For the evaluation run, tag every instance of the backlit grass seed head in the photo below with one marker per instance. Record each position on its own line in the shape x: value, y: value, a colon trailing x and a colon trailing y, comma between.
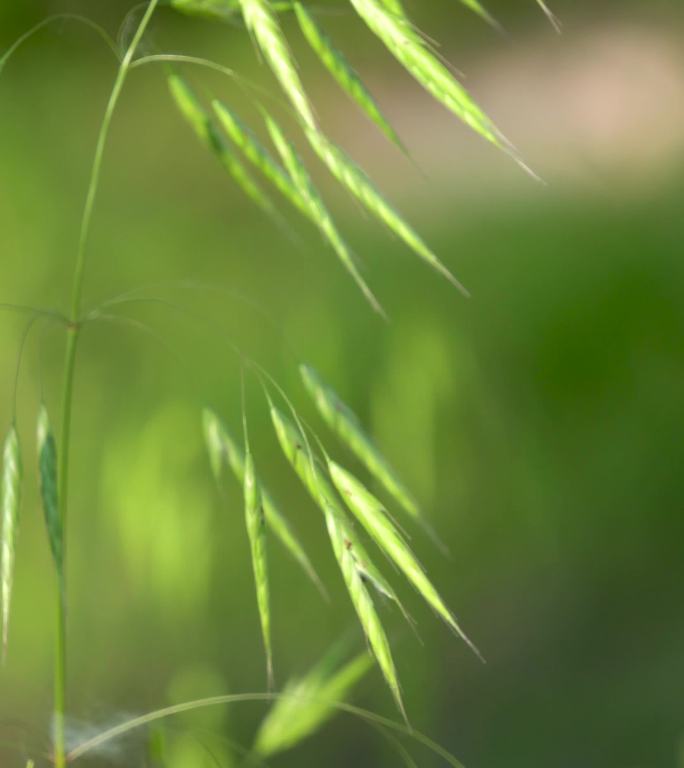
x: 262, y: 23
x: 307, y: 703
x: 222, y: 449
x: 244, y: 138
x: 11, y: 503
x: 209, y: 134
x: 336, y: 63
x: 308, y: 471
x: 47, y: 467
x: 351, y: 176
x: 407, y: 47
x: 373, y: 517
x: 254, y: 519
x: 319, y: 213
x: 363, y: 604
x: 344, y: 422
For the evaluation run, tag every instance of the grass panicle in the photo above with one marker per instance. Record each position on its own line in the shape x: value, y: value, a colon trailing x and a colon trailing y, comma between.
x: 343, y: 421
x: 319, y: 212
x: 224, y: 450
x: 256, y: 531
x: 47, y: 468
x: 12, y: 473
x: 209, y: 134
x: 351, y: 176
x: 307, y: 703
x: 399, y: 37
x: 260, y: 18
x: 244, y: 138
x: 355, y: 565
x: 346, y: 76
x: 307, y: 469
x: 372, y: 515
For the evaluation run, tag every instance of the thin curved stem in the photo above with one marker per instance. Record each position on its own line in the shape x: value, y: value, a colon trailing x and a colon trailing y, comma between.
x: 214, y: 701
x: 73, y: 334
x: 60, y: 17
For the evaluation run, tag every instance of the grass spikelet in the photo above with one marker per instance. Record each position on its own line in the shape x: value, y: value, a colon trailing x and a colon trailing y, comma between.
x: 12, y: 473
x: 398, y: 36
x: 260, y: 157
x: 477, y: 7
x: 47, y: 467
x: 370, y: 512
x: 292, y: 443
x: 307, y: 703
x: 348, y: 173
x: 551, y: 16
x: 262, y: 23
x: 254, y: 519
x: 319, y: 213
x: 223, y: 10
x: 344, y: 422
x: 224, y: 450
x: 339, y: 67
x: 208, y: 133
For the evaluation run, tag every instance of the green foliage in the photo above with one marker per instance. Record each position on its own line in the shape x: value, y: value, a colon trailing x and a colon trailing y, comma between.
x: 47, y: 467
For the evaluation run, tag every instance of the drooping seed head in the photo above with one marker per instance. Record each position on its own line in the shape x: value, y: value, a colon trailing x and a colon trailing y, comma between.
x: 11, y: 504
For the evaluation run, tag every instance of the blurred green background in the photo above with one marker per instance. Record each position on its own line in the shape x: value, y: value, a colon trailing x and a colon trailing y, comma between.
x: 540, y: 422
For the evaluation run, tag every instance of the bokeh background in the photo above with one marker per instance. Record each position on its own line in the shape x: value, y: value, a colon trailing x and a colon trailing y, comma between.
x: 540, y: 422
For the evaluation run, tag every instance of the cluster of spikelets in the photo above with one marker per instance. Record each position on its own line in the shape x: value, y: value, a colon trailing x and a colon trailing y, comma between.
x: 234, y: 142
x: 10, y: 493
x: 343, y: 500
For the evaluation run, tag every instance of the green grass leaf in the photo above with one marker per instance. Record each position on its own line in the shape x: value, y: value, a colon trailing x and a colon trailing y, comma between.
x: 47, y: 468
x: 307, y: 703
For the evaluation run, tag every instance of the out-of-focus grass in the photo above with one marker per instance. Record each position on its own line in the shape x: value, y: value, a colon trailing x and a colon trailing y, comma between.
x: 541, y: 423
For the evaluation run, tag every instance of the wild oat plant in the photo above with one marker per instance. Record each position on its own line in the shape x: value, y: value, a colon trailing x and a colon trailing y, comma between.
x: 348, y: 508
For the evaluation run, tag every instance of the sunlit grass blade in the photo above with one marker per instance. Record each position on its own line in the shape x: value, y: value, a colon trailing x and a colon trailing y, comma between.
x: 345, y: 423
x: 372, y: 515
x: 47, y: 467
x: 261, y: 21
x: 211, y: 9
x: 343, y: 72
x: 319, y: 212
x: 12, y: 473
x: 207, y: 131
x: 243, y: 138
x: 254, y: 519
x: 348, y: 173
x: 223, y: 450
x: 307, y: 703
x: 399, y: 37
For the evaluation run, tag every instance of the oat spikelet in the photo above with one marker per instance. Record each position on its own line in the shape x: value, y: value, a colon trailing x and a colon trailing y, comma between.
x: 348, y: 173
x: 223, y: 449
x: 308, y: 702
x: 262, y: 23
x: 11, y: 503
x: 254, y: 519
x: 47, y: 467
x: 370, y: 512
x: 399, y: 37
x: 208, y: 133
x: 319, y: 212
x: 244, y: 138
x: 346, y: 76
x: 344, y: 422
